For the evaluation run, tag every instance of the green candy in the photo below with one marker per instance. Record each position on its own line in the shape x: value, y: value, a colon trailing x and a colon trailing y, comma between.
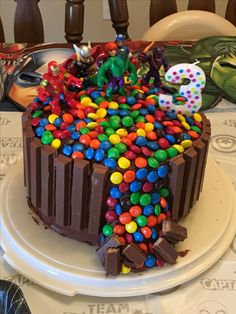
x: 104, y: 124
x: 140, y: 119
x: 141, y: 220
x: 37, y: 113
x: 115, y: 117
x: 124, y: 107
x: 156, y: 98
x: 102, y: 137
x: 109, y: 131
x: 171, y: 152
x: 161, y: 155
x: 135, y: 198
x: 99, y: 99
x: 127, y: 121
x: 47, y: 138
x: 85, y: 130
x: 134, y: 114
x: 107, y: 230
x: 115, y: 124
x: 145, y: 199
x: 157, y: 209
x: 196, y: 129
x: 121, y: 147
x: 113, y: 153
x: 152, y: 162
x: 164, y: 192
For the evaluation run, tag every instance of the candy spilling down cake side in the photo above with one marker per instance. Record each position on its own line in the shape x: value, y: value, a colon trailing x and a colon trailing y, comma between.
x: 114, y: 159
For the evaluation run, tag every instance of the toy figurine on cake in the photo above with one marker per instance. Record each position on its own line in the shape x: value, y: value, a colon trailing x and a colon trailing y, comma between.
x: 122, y: 161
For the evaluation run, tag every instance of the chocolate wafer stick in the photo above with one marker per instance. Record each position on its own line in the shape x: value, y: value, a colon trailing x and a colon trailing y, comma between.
x: 165, y: 250
x: 35, y: 175
x: 112, y: 261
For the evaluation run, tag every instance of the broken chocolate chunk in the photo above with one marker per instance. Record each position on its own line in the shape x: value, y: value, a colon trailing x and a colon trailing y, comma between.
x: 111, y: 242
x: 112, y: 261
x: 165, y: 250
x: 173, y: 231
x: 134, y: 254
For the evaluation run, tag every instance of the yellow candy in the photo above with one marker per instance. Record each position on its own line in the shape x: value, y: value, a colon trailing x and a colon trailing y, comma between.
x: 125, y: 269
x: 85, y: 101
x: 180, y: 117
x: 93, y: 105
x: 122, y: 132
x: 150, y: 96
x: 186, y: 143
x: 141, y: 132
x: 114, y: 139
x: 56, y: 143
x: 185, y: 125
x: 123, y: 163
x: 92, y: 125
x: 197, y: 117
x: 140, y: 91
x: 101, y: 112
x: 113, y: 105
x: 149, y: 126
x: 116, y: 177
x: 131, y: 227
x: 93, y: 116
x: 179, y: 148
x: 52, y: 117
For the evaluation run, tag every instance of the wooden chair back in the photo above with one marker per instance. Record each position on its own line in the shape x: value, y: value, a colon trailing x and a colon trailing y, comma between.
x: 31, y: 29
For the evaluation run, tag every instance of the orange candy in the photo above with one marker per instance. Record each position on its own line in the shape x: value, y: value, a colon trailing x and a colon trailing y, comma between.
x: 126, y: 141
x: 132, y: 136
x: 150, y: 135
x: 80, y: 114
x: 93, y: 134
x: 80, y: 125
x: 143, y: 247
x: 151, y: 221
x: 95, y: 144
x: 119, y: 229
x: 149, y: 118
x: 78, y: 155
x: 140, y: 125
x: 146, y: 232
x: 161, y: 217
x: 104, y: 104
x: 129, y: 176
x: 162, y: 202
x: 136, y: 107
x: 50, y: 127
x: 47, y: 108
x: 85, y: 139
x: 177, y: 129
x: 140, y: 162
x: 68, y: 118
x: 135, y: 211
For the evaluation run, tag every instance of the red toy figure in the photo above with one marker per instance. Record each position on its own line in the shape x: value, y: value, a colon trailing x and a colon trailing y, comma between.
x: 110, y: 49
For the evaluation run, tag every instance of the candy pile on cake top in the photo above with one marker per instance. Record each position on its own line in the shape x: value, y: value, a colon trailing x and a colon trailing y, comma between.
x: 113, y: 170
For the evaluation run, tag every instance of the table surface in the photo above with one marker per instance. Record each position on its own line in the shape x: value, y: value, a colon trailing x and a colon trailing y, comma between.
x: 212, y: 292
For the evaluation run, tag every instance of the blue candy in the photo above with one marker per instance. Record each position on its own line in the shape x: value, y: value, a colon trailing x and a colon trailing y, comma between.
x: 67, y: 150
x: 105, y: 145
x: 75, y: 135
x: 110, y: 163
x: 95, y: 94
x: 99, y: 155
x: 170, y: 138
x: 141, y: 173
x: 39, y: 131
x: 89, y: 154
x: 78, y: 147
x: 118, y: 209
x: 162, y: 171
x: 148, y: 210
x: 141, y: 141
x: 135, y: 186
x: 87, y: 120
x: 150, y: 261
x: 115, y: 192
x: 112, y: 112
x: 143, y: 111
x: 155, y: 198
x: 154, y: 234
x: 158, y: 125
x: 152, y: 176
x: 172, y: 115
x: 190, y: 120
x: 43, y: 122
x: 186, y: 136
x: 130, y: 100
x: 138, y: 237
x: 153, y: 146
x: 151, y: 108
x: 57, y: 122
x: 124, y: 113
x: 71, y: 128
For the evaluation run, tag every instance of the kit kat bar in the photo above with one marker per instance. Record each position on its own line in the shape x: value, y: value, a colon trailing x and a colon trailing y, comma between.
x: 165, y: 250
x: 200, y: 147
x: 80, y: 194
x: 134, y: 254
x: 63, y: 178
x: 35, y: 175
x: 206, y: 139
x: 175, y: 176
x: 98, y: 183
x: 112, y: 261
x: 28, y: 136
x: 47, y: 180
x: 190, y: 157
x: 112, y: 242
x: 173, y: 231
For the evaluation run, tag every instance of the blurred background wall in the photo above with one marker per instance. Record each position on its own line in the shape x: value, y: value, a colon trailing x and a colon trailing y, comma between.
x: 96, y: 28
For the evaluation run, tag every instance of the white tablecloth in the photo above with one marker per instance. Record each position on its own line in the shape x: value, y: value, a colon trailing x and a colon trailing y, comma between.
x: 213, y: 292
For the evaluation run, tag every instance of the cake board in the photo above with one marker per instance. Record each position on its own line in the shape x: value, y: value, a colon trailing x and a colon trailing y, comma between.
x: 70, y: 267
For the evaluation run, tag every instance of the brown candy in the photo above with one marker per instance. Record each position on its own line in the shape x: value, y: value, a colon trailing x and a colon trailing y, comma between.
x: 165, y: 250
x: 134, y: 254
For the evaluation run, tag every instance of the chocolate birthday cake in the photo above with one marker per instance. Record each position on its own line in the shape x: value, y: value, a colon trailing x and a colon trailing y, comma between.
x: 115, y: 159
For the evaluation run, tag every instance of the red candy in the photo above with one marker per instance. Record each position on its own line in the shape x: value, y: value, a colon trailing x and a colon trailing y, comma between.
x: 57, y: 133
x: 85, y: 139
x: 111, y: 216
x: 119, y: 230
x: 146, y: 152
x: 161, y: 217
x: 65, y: 134
x: 163, y: 143
x: 147, y: 187
x: 151, y: 221
x: 68, y: 118
x: 130, y: 155
x: 63, y: 126
x: 135, y: 149
x: 111, y: 202
x: 124, y: 187
x: 35, y: 121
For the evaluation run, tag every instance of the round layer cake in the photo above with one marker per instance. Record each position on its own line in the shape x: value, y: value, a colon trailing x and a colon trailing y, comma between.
x: 113, y: 172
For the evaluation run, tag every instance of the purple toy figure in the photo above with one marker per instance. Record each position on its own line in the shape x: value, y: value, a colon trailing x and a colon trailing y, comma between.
x: 155, y: 60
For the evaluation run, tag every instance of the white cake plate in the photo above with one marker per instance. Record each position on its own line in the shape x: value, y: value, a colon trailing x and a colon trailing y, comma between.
x: 70, y: 267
